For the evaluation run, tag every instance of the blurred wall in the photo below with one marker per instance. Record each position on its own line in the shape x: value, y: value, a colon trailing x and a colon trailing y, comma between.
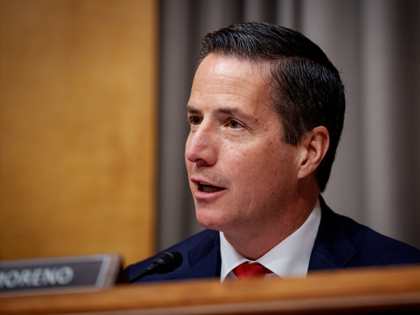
x: 77, y: 128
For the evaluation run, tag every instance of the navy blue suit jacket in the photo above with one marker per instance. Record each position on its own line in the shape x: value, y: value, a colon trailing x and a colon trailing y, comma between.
x: 340, y: 243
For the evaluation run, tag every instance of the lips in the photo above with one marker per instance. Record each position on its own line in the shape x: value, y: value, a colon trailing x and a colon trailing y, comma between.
x: 207, y: 188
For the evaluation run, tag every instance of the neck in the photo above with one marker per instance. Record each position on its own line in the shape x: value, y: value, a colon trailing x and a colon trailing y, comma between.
x: 255, y: 241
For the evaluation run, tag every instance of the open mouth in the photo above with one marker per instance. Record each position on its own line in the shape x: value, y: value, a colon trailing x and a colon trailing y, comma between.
x: 207, y: 188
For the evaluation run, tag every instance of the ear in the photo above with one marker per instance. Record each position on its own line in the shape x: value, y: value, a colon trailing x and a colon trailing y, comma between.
x: 313, y: 149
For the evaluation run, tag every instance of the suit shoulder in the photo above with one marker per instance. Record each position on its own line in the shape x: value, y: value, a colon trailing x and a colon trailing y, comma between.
x: 374, y: 248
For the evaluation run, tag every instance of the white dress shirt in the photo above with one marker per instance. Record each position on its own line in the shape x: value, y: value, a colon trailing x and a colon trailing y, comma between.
x: 288, y: 259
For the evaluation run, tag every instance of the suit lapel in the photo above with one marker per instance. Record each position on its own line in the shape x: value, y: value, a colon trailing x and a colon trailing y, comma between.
x: 204, y: 258
x: 332, y: 248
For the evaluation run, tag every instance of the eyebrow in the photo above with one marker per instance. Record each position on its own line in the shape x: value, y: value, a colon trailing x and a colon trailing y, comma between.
x: 191, y: 110
x: 234, y: 112
x: 229, y: 111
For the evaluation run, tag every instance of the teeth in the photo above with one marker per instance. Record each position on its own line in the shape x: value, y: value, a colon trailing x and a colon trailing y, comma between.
x: 210, y: 189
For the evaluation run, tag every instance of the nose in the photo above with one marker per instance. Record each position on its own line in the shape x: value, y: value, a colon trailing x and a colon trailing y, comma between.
x: 201, y: 147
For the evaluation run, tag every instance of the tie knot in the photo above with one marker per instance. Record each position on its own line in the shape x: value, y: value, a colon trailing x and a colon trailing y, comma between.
x: 247, y: 270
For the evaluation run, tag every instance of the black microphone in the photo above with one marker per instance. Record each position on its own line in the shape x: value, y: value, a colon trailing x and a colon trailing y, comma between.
x: 168, y: 262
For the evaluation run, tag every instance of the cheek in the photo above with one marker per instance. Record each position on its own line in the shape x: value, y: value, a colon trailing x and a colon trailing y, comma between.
x: 233, y: 158
x: 247, y: 165
x: 269, y: 166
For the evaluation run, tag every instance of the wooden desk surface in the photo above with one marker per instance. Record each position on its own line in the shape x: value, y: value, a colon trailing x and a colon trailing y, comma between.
x: 366, y: 290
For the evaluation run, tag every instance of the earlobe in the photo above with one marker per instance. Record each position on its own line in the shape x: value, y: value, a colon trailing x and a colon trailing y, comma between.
x: 313, y: 148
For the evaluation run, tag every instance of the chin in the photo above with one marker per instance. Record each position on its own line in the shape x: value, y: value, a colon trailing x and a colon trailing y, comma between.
x: 210, y: 221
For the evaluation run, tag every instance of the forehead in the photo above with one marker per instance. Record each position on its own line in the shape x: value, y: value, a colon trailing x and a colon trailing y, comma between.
x: 230, y: 82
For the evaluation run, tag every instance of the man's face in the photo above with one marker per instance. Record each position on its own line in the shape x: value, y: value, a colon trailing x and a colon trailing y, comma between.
x: 241, y: 173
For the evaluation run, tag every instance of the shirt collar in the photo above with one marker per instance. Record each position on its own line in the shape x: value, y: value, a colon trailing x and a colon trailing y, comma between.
x: 290, y: 258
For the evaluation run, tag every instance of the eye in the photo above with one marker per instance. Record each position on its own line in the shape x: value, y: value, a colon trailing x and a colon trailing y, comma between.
x: 234, y: 124
x: 194, y: 120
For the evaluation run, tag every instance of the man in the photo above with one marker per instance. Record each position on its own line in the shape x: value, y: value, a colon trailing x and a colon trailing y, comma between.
x: 266, y: 112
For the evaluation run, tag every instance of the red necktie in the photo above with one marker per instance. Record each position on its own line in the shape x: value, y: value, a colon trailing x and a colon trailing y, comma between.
x: 247, y: 270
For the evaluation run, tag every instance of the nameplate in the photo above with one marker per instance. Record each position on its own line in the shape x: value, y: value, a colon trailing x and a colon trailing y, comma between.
x: 55, y: 275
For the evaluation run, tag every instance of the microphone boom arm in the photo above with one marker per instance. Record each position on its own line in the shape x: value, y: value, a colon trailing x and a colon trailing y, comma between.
x: 168, y: 262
